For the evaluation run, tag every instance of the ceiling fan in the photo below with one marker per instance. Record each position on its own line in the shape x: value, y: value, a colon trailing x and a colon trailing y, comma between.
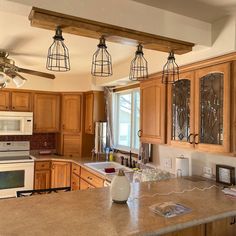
x: 8, y: 68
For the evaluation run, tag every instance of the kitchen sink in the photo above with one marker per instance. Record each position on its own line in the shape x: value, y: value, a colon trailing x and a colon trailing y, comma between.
x: 101, y: 166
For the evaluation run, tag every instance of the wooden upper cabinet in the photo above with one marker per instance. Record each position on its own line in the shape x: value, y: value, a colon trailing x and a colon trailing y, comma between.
x: 4, y: 100
x: 89, y: 113
x: 71, y: 145
x: 153, y: 111
x: 46, y: 112
x: 21, y: 101
x: 71, y: 113
x: 212, y: 108
x: 94, y: 110
x: 15, y: 101
x: 181, y: 111
x: 60, y: 174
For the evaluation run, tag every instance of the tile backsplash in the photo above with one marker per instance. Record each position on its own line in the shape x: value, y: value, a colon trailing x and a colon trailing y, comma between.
x: 38, y: 141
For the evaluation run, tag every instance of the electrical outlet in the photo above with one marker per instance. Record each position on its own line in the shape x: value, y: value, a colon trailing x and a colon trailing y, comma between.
x: 207, y: 172
x: 168, y: 163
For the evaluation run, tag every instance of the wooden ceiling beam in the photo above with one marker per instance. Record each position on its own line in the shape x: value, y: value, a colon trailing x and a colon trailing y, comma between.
x: 79, y: 26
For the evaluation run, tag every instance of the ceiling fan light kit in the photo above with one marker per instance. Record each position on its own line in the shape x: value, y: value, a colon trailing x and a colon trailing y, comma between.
x: 58, y: 54
x: 101, y: 62
x: 139, y: 66
x: 170, y: 72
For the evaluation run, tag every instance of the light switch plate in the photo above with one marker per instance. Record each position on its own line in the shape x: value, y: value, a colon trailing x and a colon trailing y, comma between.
x: 168, y: 163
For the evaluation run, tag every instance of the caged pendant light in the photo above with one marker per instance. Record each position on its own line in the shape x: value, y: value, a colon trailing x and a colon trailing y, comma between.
x: 139, y: 66
x: 58, y: 54
x: 101, y: 62
x: 170, y: 73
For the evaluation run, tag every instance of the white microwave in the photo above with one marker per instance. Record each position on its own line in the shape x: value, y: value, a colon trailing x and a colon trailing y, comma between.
x: 16, y: 123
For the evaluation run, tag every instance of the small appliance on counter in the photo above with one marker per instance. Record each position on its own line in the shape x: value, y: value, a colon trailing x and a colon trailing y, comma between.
x: 182, y: 166
x: 145, y: 153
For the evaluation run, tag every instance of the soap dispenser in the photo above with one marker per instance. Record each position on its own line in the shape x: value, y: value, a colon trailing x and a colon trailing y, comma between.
x: 120, y: 188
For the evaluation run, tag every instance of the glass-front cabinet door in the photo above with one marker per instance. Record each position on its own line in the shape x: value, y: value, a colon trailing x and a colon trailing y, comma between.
x: 212, y: 98
x: 181, y: 111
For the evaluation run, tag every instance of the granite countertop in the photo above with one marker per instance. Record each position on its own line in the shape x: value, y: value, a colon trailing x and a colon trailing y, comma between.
x: 81, y: 161
x: 91, y: 212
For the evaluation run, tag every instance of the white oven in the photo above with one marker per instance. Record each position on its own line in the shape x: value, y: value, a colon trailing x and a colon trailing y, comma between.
x: 16, y: 123
x: 14, y: 177
x: 16, y: 168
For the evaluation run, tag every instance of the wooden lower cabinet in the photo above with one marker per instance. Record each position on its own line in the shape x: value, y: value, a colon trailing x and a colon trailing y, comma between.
x: 60, y: 174
x: 42, y: 175
x: 223, y: 227
x: 42, y: 179
x: 85, y: 185
x: 75, y: 176
x: 52, y: 174
x: 91, y: 178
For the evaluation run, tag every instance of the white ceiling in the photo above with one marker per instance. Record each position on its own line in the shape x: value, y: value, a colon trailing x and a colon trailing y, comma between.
x: 205, y: 10
x: 28, y: 45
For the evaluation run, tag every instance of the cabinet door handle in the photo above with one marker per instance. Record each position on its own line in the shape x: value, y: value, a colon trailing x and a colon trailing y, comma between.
x: 233, y: 221
x: 189, y: 138
x: 63, y: 126
x: 139, y: 133
x: 13, y: 108
x: 6, y: 107
x: 194, y: 137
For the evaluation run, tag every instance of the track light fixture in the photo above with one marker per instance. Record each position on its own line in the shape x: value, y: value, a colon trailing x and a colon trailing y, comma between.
x: 58, y: 54
x: 101, y: 62
x: 139, y: 66
x: 170, y: 73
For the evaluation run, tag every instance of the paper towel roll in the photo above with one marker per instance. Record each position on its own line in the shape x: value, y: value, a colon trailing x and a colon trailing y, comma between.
x: 182, y: 166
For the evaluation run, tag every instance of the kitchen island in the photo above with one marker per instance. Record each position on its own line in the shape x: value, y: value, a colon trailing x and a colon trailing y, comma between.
x: 91, y: 212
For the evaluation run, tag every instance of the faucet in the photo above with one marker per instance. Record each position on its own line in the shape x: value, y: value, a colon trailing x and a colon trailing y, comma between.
x: 130, y: 159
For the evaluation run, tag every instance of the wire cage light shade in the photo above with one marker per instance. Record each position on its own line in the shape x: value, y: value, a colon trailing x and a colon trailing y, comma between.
x: 139, y: 66
x: 170, y: 73
x: 101, y: 62
x: 58, y: 54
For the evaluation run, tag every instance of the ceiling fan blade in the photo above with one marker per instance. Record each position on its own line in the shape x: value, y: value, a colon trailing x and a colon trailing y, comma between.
x: 37, y: 73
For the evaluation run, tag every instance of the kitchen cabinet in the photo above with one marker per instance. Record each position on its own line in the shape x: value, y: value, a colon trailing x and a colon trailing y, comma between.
x: 42, y: 175
x: 15, y: 101
x: 94, y: 110
x: 153, y: 115
x: 198, y: 106
x: 75, y: 176
x: 71, y: 145
x: 85, y: 185
x: 226, y: 226
x: 60, y: 174
x: 71, y: 113
x: 46, y: 112
x: 21, y: 101
x: 91, y: 178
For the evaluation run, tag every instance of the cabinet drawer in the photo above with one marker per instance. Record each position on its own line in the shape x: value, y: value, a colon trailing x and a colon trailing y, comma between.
x: 85, y: 185
x: 42, y: 165
x: 91, y: 178
x: 76, y: 169
x: 75, y: 182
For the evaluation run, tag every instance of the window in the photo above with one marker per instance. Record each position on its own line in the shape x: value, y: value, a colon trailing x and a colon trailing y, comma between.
x: 126, y: 114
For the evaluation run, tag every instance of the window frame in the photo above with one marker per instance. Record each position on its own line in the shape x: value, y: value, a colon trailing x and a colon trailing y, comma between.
x: 116, y: 120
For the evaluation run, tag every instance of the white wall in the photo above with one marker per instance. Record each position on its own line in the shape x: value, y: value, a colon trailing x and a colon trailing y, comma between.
x: 197, y: 160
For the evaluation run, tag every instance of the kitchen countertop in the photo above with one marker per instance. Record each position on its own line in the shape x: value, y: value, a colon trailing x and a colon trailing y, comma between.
x: 91, y: 212
x: 81, y: 161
